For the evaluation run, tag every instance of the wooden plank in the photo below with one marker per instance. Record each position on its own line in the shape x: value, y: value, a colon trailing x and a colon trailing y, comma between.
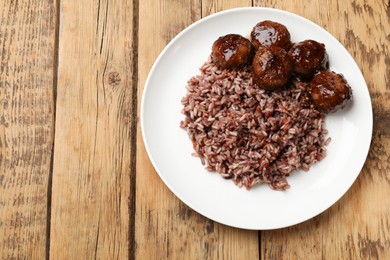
x: 356, y: 227
x: 165, y: 227
x: 92, y: 174
x: 27, y: 60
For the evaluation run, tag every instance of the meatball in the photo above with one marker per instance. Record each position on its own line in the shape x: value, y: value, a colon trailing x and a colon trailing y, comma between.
x: 329, y: 91
x: 232, y: 51
x: 271, y: 68
x: 308, y: 57
x: 268, y: 33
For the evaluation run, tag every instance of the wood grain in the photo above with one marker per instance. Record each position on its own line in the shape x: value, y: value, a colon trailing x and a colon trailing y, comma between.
x: 27, y: 55
x: 357, y: 227
x: 165, y: 227
x: 92, y: 174
x: 213, y: 6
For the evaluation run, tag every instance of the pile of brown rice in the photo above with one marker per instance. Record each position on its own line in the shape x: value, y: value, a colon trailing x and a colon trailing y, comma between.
x: 250, y: 135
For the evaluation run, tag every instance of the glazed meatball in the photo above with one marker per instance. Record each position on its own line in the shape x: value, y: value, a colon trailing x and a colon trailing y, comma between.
x: 329, y: 91
x: 271, y: 68
x: 232, y: 51
x: 268, y: 33
x: 308, y: 57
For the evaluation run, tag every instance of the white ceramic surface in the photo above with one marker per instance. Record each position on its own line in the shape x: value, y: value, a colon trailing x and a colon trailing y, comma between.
x: 169, y: 147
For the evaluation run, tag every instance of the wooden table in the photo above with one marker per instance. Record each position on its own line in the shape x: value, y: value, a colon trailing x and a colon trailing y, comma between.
x: 75, y: 180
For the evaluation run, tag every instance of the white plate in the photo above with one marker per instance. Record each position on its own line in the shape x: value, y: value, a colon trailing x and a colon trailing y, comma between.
x: 170, y: 149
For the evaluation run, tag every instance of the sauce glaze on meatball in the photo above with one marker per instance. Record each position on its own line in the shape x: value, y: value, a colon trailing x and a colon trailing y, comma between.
x: 329, y: 91
x: 232, y: 51
x: 268, y: 33
x: 308, y: 57
x: 271, y: 68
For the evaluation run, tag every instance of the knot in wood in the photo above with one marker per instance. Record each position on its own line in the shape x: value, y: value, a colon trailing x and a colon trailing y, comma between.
x: 114, y: 78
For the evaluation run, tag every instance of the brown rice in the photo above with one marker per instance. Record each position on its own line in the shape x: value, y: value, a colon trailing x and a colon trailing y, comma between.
x: 250, y: 135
